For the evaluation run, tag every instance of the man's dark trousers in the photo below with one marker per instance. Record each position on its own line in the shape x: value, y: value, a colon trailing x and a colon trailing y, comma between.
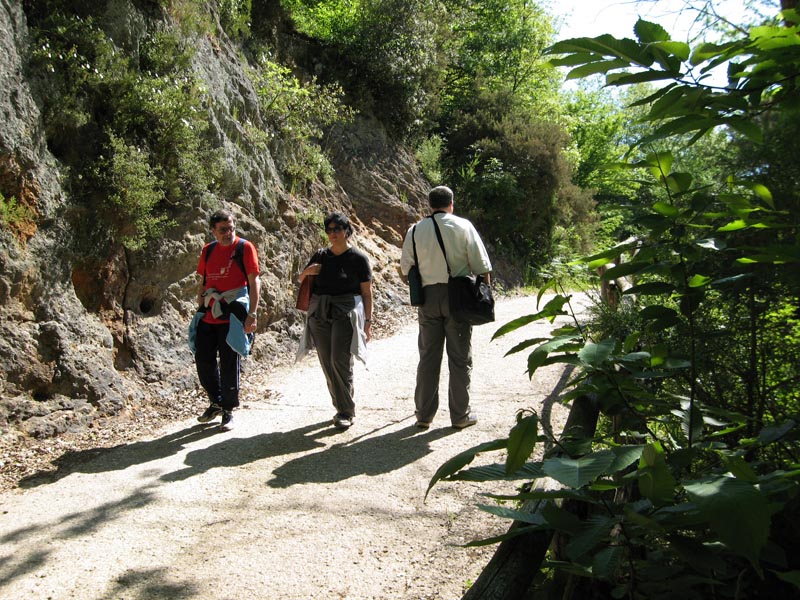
x: 220, y: 379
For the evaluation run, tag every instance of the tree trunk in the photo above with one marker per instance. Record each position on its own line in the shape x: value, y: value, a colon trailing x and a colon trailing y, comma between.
x: 515, y: 563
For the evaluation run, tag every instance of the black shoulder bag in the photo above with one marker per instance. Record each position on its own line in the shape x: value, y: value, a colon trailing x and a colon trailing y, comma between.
x: 415, y: 290
x: 470, y: 297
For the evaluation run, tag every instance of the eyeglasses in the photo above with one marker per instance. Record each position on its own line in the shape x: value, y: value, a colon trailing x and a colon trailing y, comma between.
x: 336, y: 229
x: 225, y: 229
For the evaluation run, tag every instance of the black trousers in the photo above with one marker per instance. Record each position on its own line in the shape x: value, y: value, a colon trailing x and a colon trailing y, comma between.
x: 217, y: 365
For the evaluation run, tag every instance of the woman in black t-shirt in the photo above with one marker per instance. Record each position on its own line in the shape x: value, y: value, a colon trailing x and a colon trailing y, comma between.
x: 339, y: 318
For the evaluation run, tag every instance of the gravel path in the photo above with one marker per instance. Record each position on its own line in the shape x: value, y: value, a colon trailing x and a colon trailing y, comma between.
x: 283, y: 507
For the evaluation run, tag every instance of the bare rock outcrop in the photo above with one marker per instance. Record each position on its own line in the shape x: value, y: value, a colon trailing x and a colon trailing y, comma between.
x: 79, y: 339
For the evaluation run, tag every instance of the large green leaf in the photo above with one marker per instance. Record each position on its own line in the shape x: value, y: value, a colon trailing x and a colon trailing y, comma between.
x: 562, y: 519
x: 593, y: 68
x: 707, y: 51
x: 698, y: 280
x: 792, y: 577
x: 462, y: 459
x: 594, y: 530
x: 525, y: 344
x: 736, y: 511
x: 577, y: 472
x: 595, y: 355
x: 653, y: 288
x: 739, y: 468
x: 552, y: 309
x: 624, y: 456
x: 656, y: 482
x: 497, y: 472
x: 647, y: 32
x: 606, y: 562
x: 747, y: 128
x: 517, y: 515
x: 511, y: 533
x: 680, y: 50
x: 641, y: 77
x: 604, y: 45
x: 667, y: 210
x: 521, y: 442
x: 679, y: 183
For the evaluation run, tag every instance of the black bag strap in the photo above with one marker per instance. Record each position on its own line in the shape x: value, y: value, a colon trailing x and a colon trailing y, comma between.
x: 441, y: 243
x: 414, y: 244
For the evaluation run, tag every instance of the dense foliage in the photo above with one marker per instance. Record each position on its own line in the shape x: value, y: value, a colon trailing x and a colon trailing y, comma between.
x: 467, y: 83
x: 692, y: 476
x: 126, y: 114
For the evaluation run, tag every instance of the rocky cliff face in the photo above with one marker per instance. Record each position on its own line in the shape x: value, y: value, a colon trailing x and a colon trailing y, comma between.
x: 77, y: 343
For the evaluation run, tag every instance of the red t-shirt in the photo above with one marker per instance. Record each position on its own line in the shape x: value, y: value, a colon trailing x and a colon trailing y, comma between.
x: 223, y: 272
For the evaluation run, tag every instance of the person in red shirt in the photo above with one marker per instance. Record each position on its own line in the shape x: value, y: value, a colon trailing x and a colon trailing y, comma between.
x: 229, y: 290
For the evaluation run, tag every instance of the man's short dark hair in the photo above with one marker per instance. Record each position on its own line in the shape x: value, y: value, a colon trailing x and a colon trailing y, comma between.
x: 440, y: 197
x: 220, y: 216
x: 339, y: 219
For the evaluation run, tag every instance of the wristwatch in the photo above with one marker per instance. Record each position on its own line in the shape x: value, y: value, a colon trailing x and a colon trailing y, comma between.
x: 252, y: 315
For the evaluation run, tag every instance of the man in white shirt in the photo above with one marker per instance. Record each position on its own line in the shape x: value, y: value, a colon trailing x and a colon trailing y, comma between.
x: 466, y: 255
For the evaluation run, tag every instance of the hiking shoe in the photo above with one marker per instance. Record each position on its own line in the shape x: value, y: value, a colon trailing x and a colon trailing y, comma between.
x: 227, y: 420
x: 342, y: 421
x: 468, y: 422
x: 422, y: 424
x: 212, y: 412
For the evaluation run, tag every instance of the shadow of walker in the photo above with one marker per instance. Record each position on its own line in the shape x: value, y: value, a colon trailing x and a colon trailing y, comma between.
x: 236, y: 452
x: 364, y: 455
x: 117, y: 458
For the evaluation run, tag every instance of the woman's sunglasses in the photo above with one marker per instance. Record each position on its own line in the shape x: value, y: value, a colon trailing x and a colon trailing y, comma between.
x: 336, y: 229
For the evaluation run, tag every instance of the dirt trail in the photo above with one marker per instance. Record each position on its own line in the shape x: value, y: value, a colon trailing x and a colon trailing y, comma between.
x: 283, y: 507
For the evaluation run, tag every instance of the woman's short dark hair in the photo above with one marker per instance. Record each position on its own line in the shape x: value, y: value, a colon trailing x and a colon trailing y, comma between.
x: 440, y: 197
x: 220, y: 216
x: 341, y: 220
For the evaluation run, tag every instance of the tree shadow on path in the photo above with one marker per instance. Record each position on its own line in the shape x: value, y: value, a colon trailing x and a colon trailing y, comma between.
x: 35, y: 549
x: 365, y: 455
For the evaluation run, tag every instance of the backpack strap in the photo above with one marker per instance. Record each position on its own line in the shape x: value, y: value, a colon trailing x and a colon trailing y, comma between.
x: 238, y: 256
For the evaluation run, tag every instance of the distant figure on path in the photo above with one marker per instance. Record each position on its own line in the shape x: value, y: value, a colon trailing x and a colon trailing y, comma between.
x: 466, y: 255
x: 339, y: 318
x: 227, y: 300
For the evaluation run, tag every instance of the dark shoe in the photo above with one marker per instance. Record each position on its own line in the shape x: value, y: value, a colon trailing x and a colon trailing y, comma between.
x: 227, y: 420
x: 212, y: 412
x: 468, y: 422
x: 342, y: 421
x: 423, y: 424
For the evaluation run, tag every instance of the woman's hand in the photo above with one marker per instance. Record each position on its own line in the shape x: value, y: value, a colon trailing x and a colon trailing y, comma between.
x: 312, y: 269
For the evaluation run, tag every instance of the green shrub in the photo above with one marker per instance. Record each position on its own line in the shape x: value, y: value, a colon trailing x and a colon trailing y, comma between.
x: 429, y: 155
x: 120, y: 119
x: 234, y: 16
x: 134, y: 195
x: 14, y: 215
x: 295, y: 115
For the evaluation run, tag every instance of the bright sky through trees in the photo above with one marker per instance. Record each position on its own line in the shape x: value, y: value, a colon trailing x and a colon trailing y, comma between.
x: 590, y: 18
